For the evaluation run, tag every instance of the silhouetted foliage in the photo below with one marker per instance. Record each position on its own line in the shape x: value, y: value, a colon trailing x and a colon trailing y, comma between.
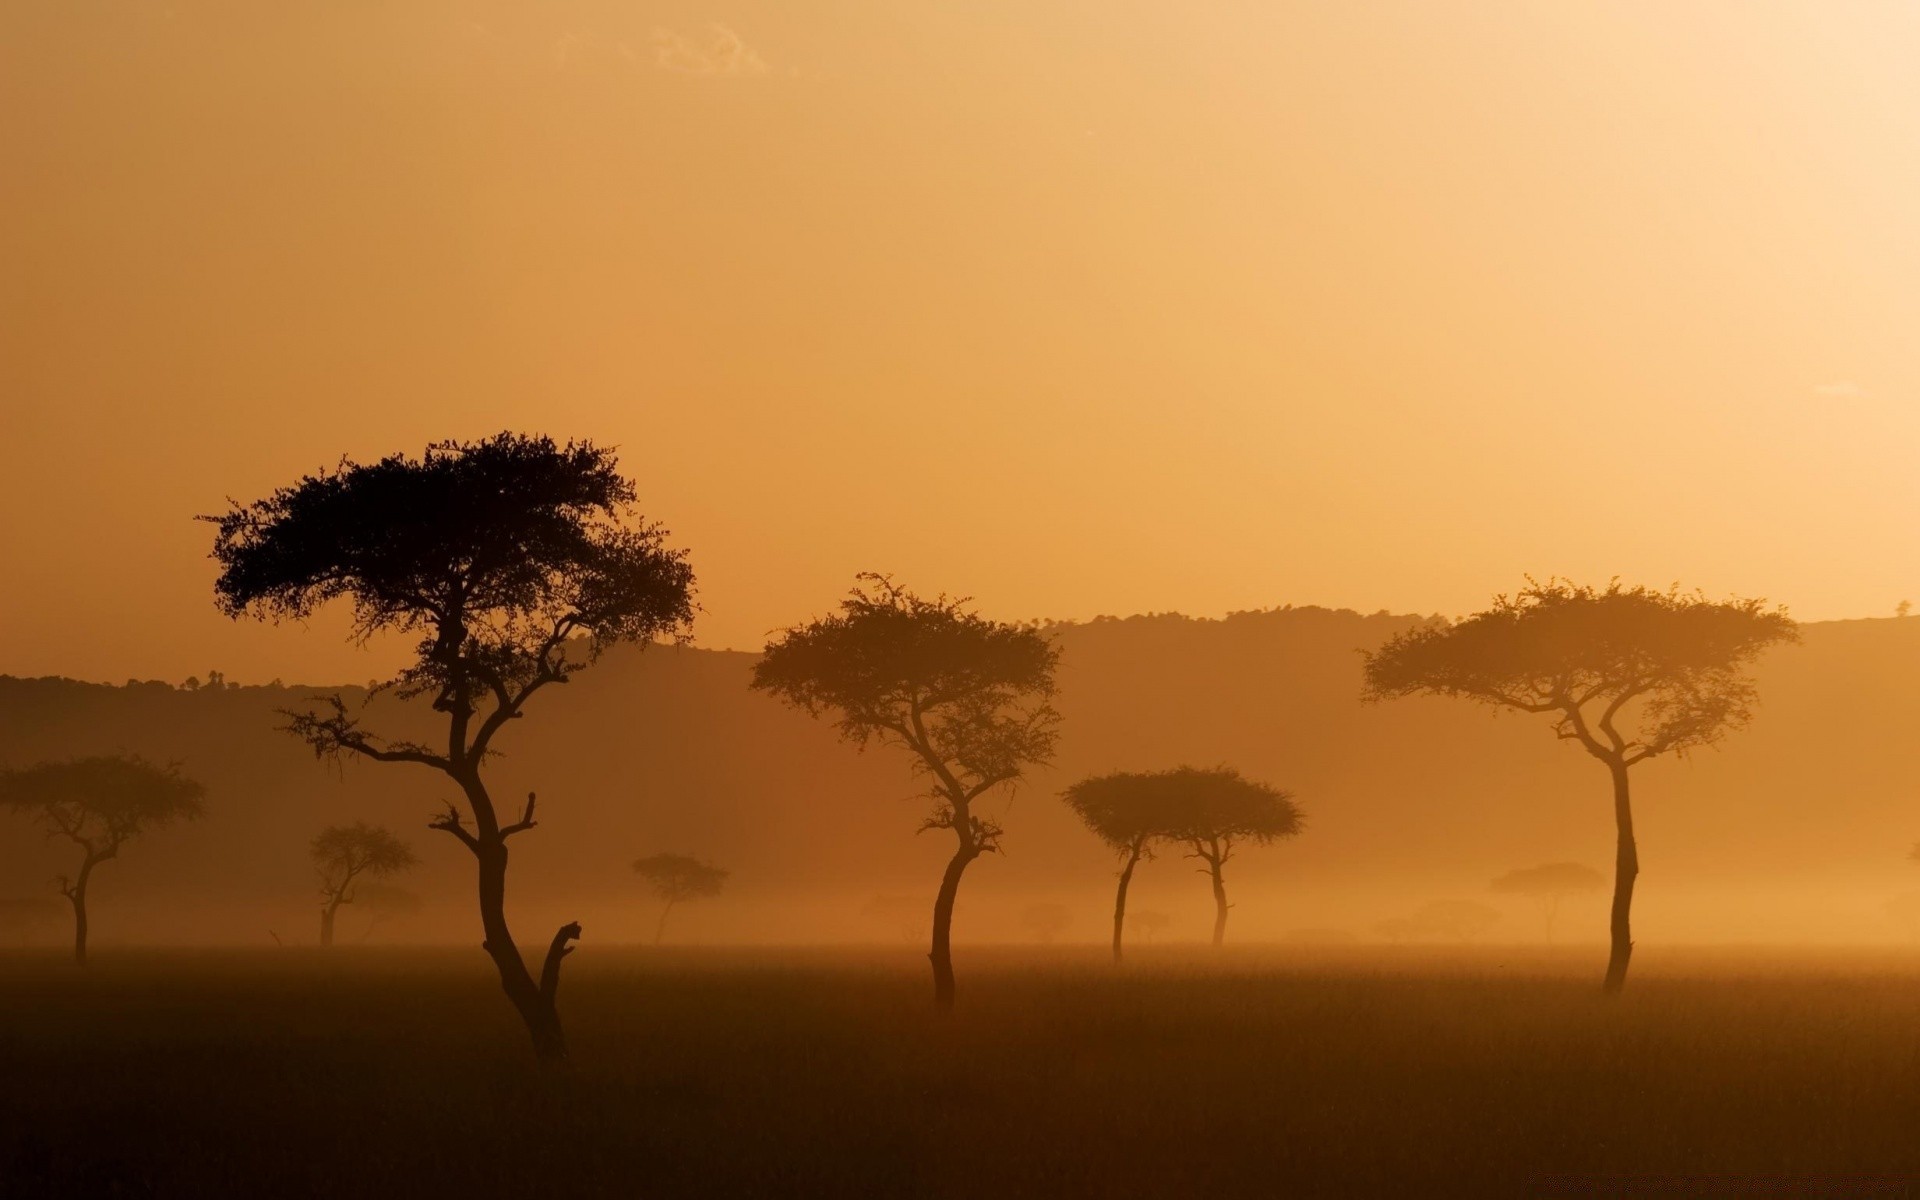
x: 1550, y: 883
x: 99, y: 804
x: 677, y: 878
x: 1627, y: 673
x: 343, y: 854
x: 1219, y: 807
x: 515, y: 561
x: 965, y: 696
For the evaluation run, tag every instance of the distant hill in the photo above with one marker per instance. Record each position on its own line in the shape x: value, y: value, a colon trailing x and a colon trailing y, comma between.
x: 1796, y: 829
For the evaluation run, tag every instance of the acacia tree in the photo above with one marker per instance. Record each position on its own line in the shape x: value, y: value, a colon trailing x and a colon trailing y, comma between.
x: 676, y: 878
x: 514, y: 562
x: 342, y: 854
x: 966, y: 697
x: 1219, y: 807
x: 1550, y: 883
x: 1628, y: 674
x: 99, y: 804
x: 1129, y: 811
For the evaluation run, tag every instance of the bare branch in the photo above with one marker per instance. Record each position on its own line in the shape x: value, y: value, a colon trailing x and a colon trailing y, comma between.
x: 525, y: 822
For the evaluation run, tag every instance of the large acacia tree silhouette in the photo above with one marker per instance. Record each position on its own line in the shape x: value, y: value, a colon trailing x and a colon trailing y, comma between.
x: 99, y: 804
x: 967, y: 697
x: 1626, y: 673
x: 514, y: 561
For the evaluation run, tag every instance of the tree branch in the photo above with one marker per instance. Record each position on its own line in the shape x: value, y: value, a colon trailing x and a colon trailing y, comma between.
x: 453, y: 823
x: 550, y: 970
x: 525, y: 822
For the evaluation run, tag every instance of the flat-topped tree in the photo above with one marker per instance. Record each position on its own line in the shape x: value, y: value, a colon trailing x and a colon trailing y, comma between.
x: 1129, y: 811
x: 343, y: 855
x: 966, y: 697
x: 514, y: 561
x: 678, y: 878
x: 1626, y: 673
x: 1550, y: 883
x: 99, y: 804
x: 1219, y: 807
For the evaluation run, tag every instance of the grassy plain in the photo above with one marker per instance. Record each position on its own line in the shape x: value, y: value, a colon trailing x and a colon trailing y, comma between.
x: 1424, y: 1071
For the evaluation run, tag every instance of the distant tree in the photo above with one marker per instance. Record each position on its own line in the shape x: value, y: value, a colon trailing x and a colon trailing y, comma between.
x: 1461, y: 920
x: 99, y: 804
x: 677, y: 878
x: 1046, y: 921
x: 514, y: 561
x: 1549, y: 884
x: 907, y: 913
x: 1219, y: 807
x: 382, y: 903
x: 343, y: 854
x: 1669, y: 667
x: 1903, y: 608
x: 965, y: 696
x: 1146, y: 922
x: 1128, y: 811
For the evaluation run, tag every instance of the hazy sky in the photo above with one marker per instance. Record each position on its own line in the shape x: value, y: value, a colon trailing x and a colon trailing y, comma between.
x: 1079, y: 308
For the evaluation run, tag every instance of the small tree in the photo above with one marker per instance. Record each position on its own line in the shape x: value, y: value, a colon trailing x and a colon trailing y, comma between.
x: 514, y: 562
x: 1129, y: 811
x: 1218, y: 808
x: 676, y: 878
x: 1626, y: 673
x: 1549, y: 884
x: 342, y: 854
x: 965, y: 696
x: 1046, y: 921
x: 99, y: 804
x: 1147, y: 923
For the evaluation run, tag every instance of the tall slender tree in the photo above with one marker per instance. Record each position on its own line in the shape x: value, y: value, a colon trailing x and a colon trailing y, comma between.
x: 1626, y: 673
x: 345, y: 854
x: 513, y: 562
x: 966, y: 697
x: 1219, y: 807
x: 99, y: 804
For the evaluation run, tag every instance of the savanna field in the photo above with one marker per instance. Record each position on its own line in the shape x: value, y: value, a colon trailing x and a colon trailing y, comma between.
x: 1348, y: 1071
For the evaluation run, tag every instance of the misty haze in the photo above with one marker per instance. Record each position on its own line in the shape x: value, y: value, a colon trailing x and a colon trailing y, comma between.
x: 1290, y: 599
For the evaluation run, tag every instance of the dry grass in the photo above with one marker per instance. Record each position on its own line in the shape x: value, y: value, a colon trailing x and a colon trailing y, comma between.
x: 1260, y: 1072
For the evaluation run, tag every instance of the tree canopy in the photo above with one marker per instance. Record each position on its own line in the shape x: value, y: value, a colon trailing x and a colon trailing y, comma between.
x: 514, y: 560
x: 342, y: 853
x: 101, y: 802
x: 968, y: 696
x: 1586, y: 654
x: 1550, y: 879
x: 1129, y: 809
x: 1220, y: 804
x: 678, y: 877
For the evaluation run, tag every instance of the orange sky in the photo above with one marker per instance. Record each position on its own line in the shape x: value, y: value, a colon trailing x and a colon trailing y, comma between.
x: 1075, y: 307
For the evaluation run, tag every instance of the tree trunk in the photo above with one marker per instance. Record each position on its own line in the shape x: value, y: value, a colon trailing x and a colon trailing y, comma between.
x: 1626, y: 867
x: 1219, y: 902
x: 660, y: 930
x: 942, y: 953
x: 533, y: 1001
x: 326, y: 920
x: 1120, y: 900
x: 79, y: 898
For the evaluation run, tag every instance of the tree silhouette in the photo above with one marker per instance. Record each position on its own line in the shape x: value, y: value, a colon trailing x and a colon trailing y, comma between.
x: 1147, y: 922
x: 965, y: 696
x: 676, y: 878
x: 1129, y: 811
x: 1627, y: 673
x: 342, y: 854
x: 1046, y: 921
x: 1550, y: 883
x: 1217, y: 808
x: 99, y: 804
x: 514, y: 561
